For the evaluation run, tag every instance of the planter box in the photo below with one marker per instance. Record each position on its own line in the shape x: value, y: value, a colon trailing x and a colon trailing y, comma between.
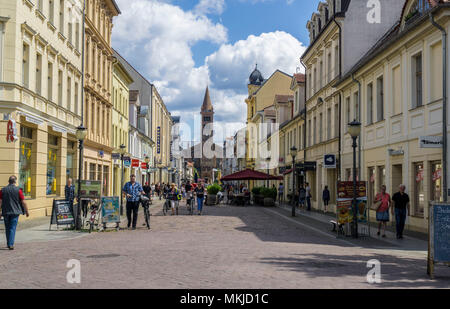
x: 269, y: 202
x: 211, y: 200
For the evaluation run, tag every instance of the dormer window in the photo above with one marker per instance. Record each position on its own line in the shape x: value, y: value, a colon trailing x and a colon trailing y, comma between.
x: 417, y: 9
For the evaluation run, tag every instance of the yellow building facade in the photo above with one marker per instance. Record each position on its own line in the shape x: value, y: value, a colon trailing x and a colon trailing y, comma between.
x: 119, y: 132
x: 162, y: 134
x: 261, y: 95
x: 401, y: 101
x: 40, y: 97
x: 98, y: 91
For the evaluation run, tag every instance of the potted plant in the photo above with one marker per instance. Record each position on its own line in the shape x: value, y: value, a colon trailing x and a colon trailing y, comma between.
x: 211, y: 198
x: 270, y: 195
x: 258, y: 197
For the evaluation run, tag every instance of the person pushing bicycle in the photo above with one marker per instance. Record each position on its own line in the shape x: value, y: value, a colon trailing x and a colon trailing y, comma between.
x: 173, y: 196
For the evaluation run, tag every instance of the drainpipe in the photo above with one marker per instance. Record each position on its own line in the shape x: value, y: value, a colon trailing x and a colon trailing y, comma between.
x: 359, y: 117
x: 340, y: 96
x: 444, y: 107
x: 304, y: 131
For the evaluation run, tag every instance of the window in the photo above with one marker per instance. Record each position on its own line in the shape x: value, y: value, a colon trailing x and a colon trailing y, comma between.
x: 336, y: 60
x: 76, y: 99
x: 329, y: 123
x: 419, y: 193
x: 70, y: 32
x: 69, y: 93
x: 321, y: 77
x: 1, y: 50
x: 314, y: 130
x: 70, y: 171
x: 396, y: 91
x: 316, y: 81
x: 309, y: 135
x: 91, y: 171
x: 38, y: 74
x: 51, y: 9
x: 369, y: 104
x: 25, y: 65
x: 99, y: 67
x: 25, y: 164
x: 356, y: 106
x: 436, y: 72
x: 50, y: 82
x: 417, y: 81
x: 61, y: 16
x: 99, y: 172
x: 336, y: 120
x: 40, y: 6
x: 77, y: 36
x: 60, y: 88
x: 320, y: 128
x: 105, y: 180
x: 348, y: 111
x: 436, y: 182
x: 52, y: 157
x: 329, y: 69
x: 380, y: 99
x: 372, y: 188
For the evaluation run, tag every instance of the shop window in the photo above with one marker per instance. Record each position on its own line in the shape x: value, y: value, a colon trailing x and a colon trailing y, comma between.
x: 381, y: 177
x: 52, y: 157
x: 436, y: 182
x: 69, y: 166
x: 419, y: 193
x: 25, y: 179
x: 372, y: 191
x: 99, y: 172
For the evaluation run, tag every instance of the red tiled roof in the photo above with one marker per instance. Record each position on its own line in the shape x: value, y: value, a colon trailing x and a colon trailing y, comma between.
x: 282, y: 98
x: 300, y: 77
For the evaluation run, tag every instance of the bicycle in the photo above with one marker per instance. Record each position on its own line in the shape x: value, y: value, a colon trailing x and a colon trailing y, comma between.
x: 145, y: 201
x: 166, y: 205
x: 95, y: 212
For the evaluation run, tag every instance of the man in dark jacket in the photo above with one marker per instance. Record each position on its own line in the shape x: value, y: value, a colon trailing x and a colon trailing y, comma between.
x: 326, y: 198
x: 13, y: 205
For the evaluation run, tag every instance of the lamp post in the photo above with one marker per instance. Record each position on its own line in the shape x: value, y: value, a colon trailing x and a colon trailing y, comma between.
x: 268, y: 165
x: 81, y: 135
x: 122, y: 153
x: 354, y: 129
x: 147, y: 161
x: 293, y: 155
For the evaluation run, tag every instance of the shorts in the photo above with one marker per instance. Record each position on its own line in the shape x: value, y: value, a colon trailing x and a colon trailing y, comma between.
x: 383, y: 216
x: 173, y: 204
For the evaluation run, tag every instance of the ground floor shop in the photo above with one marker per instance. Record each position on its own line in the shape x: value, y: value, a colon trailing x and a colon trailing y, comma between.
x: 43, y: 157
x: 98, y: 166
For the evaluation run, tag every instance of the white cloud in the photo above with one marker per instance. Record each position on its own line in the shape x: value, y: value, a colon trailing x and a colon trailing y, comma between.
x: 157, y: 38
x: 210, y: 7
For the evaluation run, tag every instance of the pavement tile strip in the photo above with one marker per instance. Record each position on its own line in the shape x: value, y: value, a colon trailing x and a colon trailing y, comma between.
x: 227, y: 248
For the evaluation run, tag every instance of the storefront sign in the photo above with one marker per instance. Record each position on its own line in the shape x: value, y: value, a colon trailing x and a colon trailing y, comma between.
x: 345, y: 189
x: 110, y: 209
x: 126, y: 161
x: 115, y: 156
x: 329, y: 161
x: 306, y: 166
x: 144, y: 165
x: 11, y: 133
x: 431, y: 141
x: 158, y: 140
x: 134, y: 163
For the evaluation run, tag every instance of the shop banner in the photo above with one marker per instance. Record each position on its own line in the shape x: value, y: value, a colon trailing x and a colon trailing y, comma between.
x: 89, y: 188
x: 345, y: 210
x: 345, y: 189
x: 126, y: 161
x: 144, y: 165
x: 110, y: 210
x: 134, y: 163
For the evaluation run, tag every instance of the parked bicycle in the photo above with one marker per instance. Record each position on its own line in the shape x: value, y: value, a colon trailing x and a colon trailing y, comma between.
x: 95, y: 215
x: 190, y: 202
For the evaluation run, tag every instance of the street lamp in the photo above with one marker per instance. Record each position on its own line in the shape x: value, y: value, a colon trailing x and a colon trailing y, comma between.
x: 81, y: 135
x: 268, y: 165
x: 354, y: 129
x: 294, y: 152
x: 147, y: 161
x: 122, y: 150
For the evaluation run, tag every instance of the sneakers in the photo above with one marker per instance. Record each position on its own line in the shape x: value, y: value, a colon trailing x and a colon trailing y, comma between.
x: 11, y: 247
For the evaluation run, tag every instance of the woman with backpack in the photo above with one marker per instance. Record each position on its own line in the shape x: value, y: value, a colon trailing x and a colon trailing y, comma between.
x: 173, y: 197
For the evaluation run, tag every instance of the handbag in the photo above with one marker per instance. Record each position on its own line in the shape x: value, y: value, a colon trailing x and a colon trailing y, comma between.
x: 375, y: 206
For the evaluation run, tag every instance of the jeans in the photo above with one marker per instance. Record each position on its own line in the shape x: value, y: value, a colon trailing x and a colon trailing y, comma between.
x: 400, y: 218
x: 10, y: 228
x: 132, y: 209
x: 308, y: 202
x: 200, y: 203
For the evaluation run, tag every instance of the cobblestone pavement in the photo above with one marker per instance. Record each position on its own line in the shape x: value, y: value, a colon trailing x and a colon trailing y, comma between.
x: 227, y: 247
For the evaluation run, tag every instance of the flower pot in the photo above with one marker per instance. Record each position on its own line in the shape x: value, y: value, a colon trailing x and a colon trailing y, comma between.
x: 269, y: 202
x: 211, y: 200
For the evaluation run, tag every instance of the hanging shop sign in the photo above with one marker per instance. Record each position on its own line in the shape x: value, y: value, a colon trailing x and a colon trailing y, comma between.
x: 158, y: 140
x: 126, y: 161
x: 144, y: 165
x: 11, y: 133
x: 134, y: 163
x: 329, y: 161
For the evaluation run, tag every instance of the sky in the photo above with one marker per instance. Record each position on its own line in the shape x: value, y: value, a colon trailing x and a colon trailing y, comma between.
x: 182, y: 46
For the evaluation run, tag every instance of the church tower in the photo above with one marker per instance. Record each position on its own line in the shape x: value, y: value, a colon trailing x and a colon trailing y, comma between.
x: 207, y: 112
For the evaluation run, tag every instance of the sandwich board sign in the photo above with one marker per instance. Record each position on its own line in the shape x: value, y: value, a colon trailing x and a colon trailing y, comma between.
x: 61, y: 213
x: 439, y: 236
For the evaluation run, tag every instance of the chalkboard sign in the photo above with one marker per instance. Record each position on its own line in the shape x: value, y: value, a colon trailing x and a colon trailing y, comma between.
x: 61, y: 213
x: 440, y: 232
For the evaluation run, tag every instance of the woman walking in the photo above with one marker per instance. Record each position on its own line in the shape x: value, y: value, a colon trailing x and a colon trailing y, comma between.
x: 173, y: 197
x: 326, y: 199
x: 384, y: 200
x: 200, y: 192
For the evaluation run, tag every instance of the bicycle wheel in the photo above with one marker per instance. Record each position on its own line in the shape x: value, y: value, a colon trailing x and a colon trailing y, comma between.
x: 165, y: 208
x: 147, y: 217
x: 191, y: 207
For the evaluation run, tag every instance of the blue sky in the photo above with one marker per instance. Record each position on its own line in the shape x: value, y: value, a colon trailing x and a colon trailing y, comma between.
x: 184, y: 45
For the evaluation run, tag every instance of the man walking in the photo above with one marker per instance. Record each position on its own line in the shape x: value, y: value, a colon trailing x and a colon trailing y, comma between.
x: 401, y: 204
x: 133, y: 191
x: 280, y: 193
x: 308, y: 196
x: 69, y: 193
x: 326, y: 199
x: 12, y: 204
